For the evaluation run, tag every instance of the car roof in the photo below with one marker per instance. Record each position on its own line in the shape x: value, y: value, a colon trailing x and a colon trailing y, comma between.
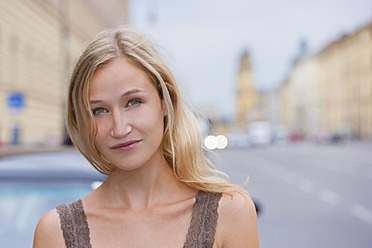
x: 48, y: 167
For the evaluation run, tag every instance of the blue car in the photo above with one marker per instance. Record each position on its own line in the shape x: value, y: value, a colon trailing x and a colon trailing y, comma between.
x: 31, y: 185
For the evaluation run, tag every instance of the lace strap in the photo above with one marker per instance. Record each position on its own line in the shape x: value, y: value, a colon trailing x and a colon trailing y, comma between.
x: 74, y: 225
x: 203, y: 221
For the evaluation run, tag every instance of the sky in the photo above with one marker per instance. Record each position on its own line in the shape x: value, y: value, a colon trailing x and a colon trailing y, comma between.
x: 204, y: 39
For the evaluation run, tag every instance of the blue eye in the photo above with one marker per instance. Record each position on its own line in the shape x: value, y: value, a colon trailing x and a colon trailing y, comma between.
x: 134, y: 102
x: 98, y: 111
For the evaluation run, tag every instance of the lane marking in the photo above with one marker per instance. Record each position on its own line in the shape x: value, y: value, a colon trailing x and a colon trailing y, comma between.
x: 307, y: 186
x: 329, y: 196
x: 290, y: 177
x: 361, y: 213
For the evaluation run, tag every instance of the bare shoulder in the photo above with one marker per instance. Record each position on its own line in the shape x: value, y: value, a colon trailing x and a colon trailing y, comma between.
x: 237, y: 222
x: 234, y: 206
x: 48, y: 231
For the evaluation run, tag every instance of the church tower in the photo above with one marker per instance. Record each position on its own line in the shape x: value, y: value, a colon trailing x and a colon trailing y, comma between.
x: 246, y: 92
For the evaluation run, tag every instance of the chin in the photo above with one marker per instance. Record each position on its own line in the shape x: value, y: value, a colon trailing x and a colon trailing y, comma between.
x: 128, y: 165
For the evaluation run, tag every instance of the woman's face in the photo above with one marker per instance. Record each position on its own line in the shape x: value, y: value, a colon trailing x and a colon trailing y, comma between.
x: 129, y: 115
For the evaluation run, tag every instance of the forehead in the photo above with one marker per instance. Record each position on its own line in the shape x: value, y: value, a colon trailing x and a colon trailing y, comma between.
x: 117, y: 75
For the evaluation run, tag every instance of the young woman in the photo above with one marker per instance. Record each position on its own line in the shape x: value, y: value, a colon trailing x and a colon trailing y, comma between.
x: 126, y: 116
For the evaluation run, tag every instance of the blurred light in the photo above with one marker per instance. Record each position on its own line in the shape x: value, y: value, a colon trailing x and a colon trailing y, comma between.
x: 211, y: 142
x: 95, y: 184
x: 221, y: 142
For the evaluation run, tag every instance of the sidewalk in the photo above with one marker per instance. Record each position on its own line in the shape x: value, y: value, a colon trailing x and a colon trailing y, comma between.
x: 9, y: 150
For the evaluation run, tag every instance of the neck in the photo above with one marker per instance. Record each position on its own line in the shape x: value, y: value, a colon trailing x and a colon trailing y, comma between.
x: 142, y: 188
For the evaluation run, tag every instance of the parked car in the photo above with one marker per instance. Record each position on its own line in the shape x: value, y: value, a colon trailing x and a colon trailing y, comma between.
x: 281, y: 135
x: 238, y: 140
x: 260, y: 133
x: 31, y: 185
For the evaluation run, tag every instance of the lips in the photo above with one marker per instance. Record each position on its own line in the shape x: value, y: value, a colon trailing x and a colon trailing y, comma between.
x: 126, y: 146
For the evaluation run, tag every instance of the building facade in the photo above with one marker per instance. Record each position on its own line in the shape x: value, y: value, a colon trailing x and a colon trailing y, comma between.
x: 345, y: 85
x: 247, y: 95
x: 285, y: 102
x: 300, y: 97
x: 330, y: 93
x: 39, y: 40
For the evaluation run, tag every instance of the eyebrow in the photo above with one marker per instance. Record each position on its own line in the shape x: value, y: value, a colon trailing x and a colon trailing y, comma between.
x: 128, y: 93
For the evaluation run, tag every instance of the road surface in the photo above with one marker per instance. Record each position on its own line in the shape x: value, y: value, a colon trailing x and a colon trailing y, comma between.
x: 310, y: 195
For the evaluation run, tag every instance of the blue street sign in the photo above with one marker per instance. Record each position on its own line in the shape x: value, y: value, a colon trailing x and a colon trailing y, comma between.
x: 16, y: 101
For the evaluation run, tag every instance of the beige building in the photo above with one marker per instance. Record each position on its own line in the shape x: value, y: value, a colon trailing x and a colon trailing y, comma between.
x: 299, y: 98
x: 39, y: 40
x: 330, y: 92
x: 345, y: 85
x: 246, y: 92
x: 286, y: 114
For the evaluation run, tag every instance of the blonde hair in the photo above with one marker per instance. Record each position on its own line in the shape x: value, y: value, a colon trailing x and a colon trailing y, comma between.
x: 182, y: 142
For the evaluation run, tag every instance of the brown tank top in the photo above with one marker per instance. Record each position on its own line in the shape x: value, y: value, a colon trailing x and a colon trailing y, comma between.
x: 200, y: 234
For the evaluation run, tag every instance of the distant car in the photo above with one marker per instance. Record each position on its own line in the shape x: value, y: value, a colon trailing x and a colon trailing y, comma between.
x: 30, y: 185
x: 240, y: 140
x: 281, y: 134
x: 260, y: 133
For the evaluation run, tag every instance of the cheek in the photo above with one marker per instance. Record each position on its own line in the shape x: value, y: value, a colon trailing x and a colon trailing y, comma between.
x: 99, y: 133
x: 152, y: 126
x: 153, y: 122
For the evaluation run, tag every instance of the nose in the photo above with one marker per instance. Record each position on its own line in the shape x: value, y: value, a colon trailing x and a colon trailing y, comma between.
x: 121, y: 127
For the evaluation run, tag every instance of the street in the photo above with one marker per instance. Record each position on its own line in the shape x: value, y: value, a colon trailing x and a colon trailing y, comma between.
x: 310, y: 195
